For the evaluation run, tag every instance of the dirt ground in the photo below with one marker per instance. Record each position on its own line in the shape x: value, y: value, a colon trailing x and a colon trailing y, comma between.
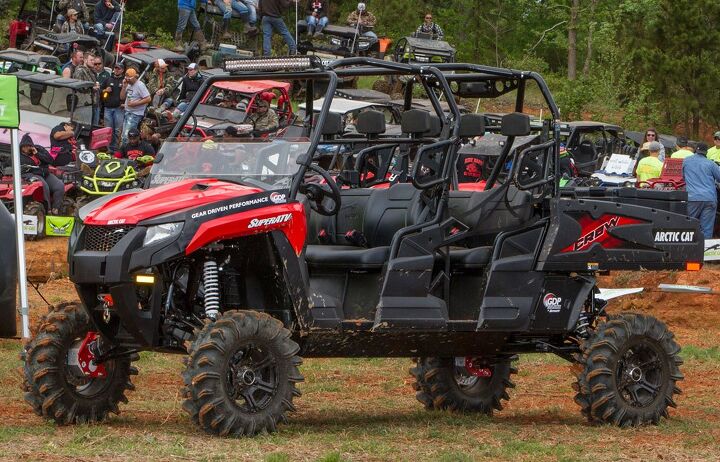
x: 364, y: 409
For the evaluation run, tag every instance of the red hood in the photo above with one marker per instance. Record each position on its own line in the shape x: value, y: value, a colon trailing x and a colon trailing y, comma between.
x: 133, y: 208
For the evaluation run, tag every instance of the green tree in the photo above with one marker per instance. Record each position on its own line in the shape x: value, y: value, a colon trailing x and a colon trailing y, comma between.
x: 674, y: 51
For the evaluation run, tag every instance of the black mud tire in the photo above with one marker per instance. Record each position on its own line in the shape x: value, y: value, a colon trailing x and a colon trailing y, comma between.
x: 216, y: 398
x: 628, y: 371
x: 36, y: 208
x: 438, y: 386
x: 49, y: 387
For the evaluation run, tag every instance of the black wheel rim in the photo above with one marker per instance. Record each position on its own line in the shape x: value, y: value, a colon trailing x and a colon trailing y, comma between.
x: 252, y: 377
x: 641, y: 373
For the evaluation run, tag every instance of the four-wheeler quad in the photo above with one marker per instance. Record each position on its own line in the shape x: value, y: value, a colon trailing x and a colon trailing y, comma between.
x: 32, y: 197
x: 12, y: 60
x: 247, y: 256
x: 32, y: 22
x: 418, y: 48
x: 341, y: 42
x: 144, y: 61
x: 60, y: 45
x: 423, y: 48
x: 111, y: 175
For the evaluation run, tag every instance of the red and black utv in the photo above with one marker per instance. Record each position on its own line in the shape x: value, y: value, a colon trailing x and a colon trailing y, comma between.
x: 245, y: 255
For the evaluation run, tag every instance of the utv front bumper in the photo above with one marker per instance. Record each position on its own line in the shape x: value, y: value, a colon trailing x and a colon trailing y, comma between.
x: 105, y: 259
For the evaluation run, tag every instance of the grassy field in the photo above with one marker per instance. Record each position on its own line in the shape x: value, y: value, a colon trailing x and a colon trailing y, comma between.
x: 364, y: 409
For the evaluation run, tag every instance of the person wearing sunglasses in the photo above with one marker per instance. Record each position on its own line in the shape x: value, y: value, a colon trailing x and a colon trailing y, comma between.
x: 652, y: 135
x: 429, y: 27
x: 714, y: 152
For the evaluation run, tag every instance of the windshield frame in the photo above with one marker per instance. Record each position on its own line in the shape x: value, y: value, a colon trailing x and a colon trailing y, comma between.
x: 310, y: 76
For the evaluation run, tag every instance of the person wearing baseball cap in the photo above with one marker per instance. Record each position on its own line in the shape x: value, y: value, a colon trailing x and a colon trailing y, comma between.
x: 190, y: 84
x: 650, y: 166
x: 136, y: 97
x: 160, y: 84
x: 135, y: 147
x: 683, y: 148
x: 264, y: 119
x: 72, y: 24
x: 701, y: 174
x: 64, y: 7
x: 714, y: 152
x: 114, y: 114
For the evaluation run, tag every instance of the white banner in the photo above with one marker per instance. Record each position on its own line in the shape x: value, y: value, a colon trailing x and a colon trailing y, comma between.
x: 712, y: 250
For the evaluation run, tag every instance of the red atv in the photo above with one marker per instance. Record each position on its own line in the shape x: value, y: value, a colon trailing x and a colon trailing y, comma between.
x: 245, y: 254
x: 136, y: 45
x: 33, y: 203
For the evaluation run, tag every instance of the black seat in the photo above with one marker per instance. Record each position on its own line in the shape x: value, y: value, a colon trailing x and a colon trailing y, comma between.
x: 333, y: 125
x: 415, y: 122
x: 370, y: 123
x: 475, y: 258
x: 492, y: 211
x: 435, y: 127
x: 346, y: 256
x: 385, y: 211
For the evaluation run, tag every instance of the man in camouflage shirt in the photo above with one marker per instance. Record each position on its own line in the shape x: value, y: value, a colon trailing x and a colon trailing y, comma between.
x: 160, y: 83
x: 364, y: 18
x: 264, y: 119
x: 88, y: 71
x: 78, y: 5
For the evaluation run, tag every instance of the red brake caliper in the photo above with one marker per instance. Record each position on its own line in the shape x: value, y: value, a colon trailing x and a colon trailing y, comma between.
x: 86, y: 358
x: 475, y: 370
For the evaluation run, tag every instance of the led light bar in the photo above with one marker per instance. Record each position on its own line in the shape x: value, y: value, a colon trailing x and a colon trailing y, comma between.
x: 288, y: 63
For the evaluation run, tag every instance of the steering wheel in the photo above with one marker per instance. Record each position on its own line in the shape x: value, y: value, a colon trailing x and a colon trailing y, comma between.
x: 317, y: 193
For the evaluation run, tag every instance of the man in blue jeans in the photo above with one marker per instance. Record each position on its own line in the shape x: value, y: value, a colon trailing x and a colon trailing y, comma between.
x: 273, y: 12
x: 110, y: 97
x: 186, y: 13
x: 227, y: 7
x: 107, y: 14
x: 700, y: 175
x: 137, y: 97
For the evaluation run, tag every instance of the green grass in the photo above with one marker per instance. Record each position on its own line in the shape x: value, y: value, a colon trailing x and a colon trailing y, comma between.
x: 364, y: 409
x: 691, y: 352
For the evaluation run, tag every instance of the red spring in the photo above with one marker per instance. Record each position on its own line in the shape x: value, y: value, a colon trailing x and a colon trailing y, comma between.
x: 86, y: 358
x: 474, y: 369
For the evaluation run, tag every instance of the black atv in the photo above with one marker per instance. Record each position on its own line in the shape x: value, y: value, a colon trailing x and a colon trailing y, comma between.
x: 244, y: 255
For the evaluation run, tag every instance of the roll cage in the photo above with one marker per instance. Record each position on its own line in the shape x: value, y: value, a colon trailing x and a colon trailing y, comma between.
x: 441, y: 80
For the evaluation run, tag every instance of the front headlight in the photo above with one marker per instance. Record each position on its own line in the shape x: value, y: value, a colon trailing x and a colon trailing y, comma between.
x: 158, y: 233
x: 422, y: 59
x: 336, y: 41
x: 363, y: 45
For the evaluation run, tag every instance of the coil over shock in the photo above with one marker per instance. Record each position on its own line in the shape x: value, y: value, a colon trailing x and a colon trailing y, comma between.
x: 211, y: 283
x: 581, y: 328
